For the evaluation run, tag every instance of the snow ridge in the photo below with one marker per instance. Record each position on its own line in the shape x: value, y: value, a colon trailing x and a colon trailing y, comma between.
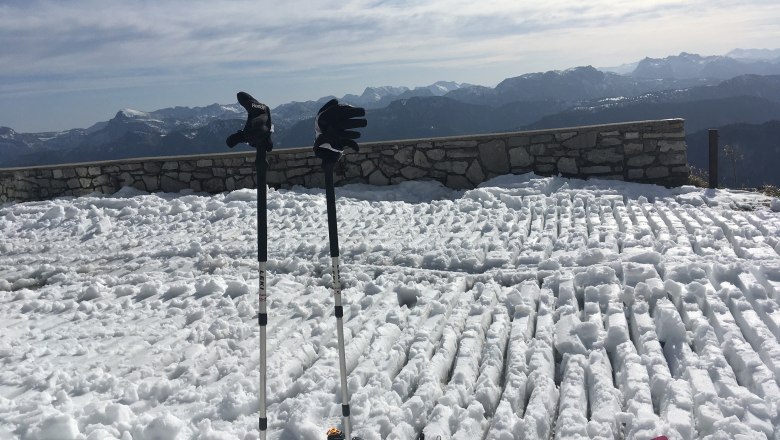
x: 531, y: 307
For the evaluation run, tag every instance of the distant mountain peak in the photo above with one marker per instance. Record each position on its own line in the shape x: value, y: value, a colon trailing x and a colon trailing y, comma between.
x: 130, y: 113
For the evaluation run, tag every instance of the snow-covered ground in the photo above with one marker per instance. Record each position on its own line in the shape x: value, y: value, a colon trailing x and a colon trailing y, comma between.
x: 527, y: 308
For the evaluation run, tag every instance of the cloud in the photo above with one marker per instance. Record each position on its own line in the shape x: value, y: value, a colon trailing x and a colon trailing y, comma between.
x: 108, y: 43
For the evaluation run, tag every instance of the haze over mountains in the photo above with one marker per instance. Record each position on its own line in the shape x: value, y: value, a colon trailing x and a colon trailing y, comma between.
x: 739, y: 91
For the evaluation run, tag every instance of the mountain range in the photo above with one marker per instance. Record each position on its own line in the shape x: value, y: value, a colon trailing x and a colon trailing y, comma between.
x: 742, y: 87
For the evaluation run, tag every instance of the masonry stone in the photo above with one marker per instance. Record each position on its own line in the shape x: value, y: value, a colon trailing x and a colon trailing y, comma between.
x: 652, y: 150
x: 474, y: 173
x: 377, y: 178
x: 420, y: 160
x: 412, y: 173
x: 599, y: 169
x: 519, y: 157
x: 582, y: 140
x: 565, y: 136
x: 458, y: 182
x: 435, y: 154
x: 636, y: 173
x: 567, y: 165
x: 367, y: 167
x: 640, y: 161
x: 518, y: 141
x: 633, y: 148
x: 657, y: 172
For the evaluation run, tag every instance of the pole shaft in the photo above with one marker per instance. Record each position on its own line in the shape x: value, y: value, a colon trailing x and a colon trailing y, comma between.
x: 713, y: 152
x: 262, y: 257
x: 330, y: 199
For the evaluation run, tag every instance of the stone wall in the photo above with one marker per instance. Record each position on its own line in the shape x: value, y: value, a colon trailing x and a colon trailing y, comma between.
x: 645, y: 151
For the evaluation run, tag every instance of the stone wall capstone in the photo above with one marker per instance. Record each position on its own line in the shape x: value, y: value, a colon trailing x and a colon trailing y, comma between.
x: 643, y: 151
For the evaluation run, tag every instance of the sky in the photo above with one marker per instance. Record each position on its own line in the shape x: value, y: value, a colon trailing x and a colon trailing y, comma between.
x: 71, y: 64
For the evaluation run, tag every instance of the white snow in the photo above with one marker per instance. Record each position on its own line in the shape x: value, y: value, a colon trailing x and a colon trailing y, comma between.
x: 531, y: 307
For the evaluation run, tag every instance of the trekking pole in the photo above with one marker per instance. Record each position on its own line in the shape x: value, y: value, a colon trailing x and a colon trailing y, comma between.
x: 262, y: 257
x: 333, y: 131
x: 257, y: 133
x: 333, y: 236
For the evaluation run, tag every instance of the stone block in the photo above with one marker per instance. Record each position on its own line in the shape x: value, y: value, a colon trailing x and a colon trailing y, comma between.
x: 152, y: 167
x: 544, y: 168
x: 295, y: 172
x: 377, y: 178
x: 351, y: 170
x: 657, y: 172
x: 187, y: 166
x: 633, y: 149
x: 672, y: 159
x: 546, y: 159
x: 636, y: 173
x: 603, y: 155
x: 202, y: 163
x: 435, y: 154
x: 542, y: 138
x: 151, y: 183
x: 214, y: 185
x: 405, y: 156
x: 474, y: 173
x: 85, y: 182
x: 82, y: 171
x: 455, y: 144
x: 168, y: 184
x: 610, y: 133
x: 275, y: 177
x: 101, y: 180
x: 631, y: 135
x: 640, y: 161
x: 610, y: 142
x: 170, y: 165
x: 537, y: 149
x: 185, y: 177
x: 651, y: 146
x: 73, y: 183
x: 420, y: 160
x: 518, y: 141
x: 665, y: 145
x: 452, y: 166
x: 582, y: 140
x: 219, y: 172
x: 57, y: 174
x: 462, y: 153
x: 230, y: 184
x: 599, y: 169
x: 675, y: 135
x: 458, y: 182
x: 567, y: 165
x: 93, y: 171
x: 560, y: 137
x: 411, y: 173
x: 68, y: 173
x: 519, y: 157
x: 367, y: 167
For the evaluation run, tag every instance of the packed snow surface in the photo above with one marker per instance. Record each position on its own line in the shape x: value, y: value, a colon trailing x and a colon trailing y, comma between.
x: 528, y: 308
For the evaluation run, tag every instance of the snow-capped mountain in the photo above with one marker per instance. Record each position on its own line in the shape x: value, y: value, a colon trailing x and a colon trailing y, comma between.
x: 755, y: 54
x: 690, y: 66
x: 437, y: 109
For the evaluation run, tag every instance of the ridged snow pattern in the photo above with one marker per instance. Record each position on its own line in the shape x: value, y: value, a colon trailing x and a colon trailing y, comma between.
x: 532, y: 308
x: 646, y: 151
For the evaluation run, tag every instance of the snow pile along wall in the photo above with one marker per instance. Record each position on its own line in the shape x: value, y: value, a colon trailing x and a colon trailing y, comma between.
x: 644, y: 151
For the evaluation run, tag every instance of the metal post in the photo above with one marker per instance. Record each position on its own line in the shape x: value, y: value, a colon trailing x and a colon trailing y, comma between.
x: 713, y: 158
x: 262, y: 257
x: 330, y: 197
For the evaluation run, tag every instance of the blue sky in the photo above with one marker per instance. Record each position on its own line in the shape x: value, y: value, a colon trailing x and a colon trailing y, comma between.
x: 68, y: 64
